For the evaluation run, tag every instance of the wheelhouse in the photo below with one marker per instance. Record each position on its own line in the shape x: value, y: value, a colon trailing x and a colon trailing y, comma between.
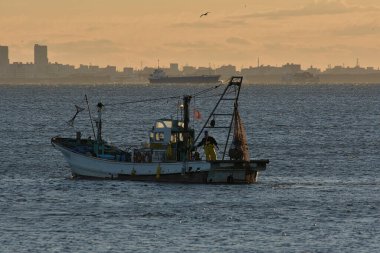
x: 170, y: 140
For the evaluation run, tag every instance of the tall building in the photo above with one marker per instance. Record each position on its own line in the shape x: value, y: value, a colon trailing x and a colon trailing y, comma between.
x: 4, y: 60
x: 174, y: 67
x: 40, y: 55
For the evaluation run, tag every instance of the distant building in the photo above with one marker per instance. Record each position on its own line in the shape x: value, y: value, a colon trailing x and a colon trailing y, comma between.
x: 93, y: 69
x: 111, y: 70
x: 145, y: 72
x: 18, y: 70
x: 228, y: 70
x: 174, y: 67
x: 314, y: 71
x: 341, y: 70
x: 188, y: 70
x: 57, y: 70
x: 83, y: 69
x: 262, y: 70
x: 40, y: 55
x: 128, y: 71
x: 4, y: 58
x: 291, y: 68
x: 204, y: 71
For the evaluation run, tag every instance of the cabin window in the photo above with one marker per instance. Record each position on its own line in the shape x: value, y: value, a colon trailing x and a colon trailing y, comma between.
x: 168, y: 123
x: 160, y: 125
x: 176, y: 137
x: 151, y: 136
x: 159, y: 136
x: 164, y: 124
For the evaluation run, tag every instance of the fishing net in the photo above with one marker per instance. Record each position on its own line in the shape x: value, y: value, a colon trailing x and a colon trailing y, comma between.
x: 239, y: 147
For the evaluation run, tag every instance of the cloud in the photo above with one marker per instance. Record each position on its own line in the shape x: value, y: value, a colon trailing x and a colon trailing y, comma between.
x: 286, y: 47
x: 196, y: 25
x: 193, y: 45
x: 358, y: 30
x: 318, y: 7
x: 341, y: 52
x: 92, y: 29
x: 222, y: 24
x: 237, y: 41
x: 97, y: 51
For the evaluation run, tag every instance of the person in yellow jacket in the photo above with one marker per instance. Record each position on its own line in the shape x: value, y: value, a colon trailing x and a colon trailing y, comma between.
x: 209, y: 144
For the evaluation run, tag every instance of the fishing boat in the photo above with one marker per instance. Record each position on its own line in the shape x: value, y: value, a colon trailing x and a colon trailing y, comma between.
x: 171, y: 154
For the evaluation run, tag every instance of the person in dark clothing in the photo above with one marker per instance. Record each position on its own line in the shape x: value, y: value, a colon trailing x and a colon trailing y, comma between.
x: 209, y: 144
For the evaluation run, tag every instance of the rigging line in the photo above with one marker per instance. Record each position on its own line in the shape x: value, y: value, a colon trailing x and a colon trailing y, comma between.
x: 143, y: 100
x: 212, y: 95
x: 216, y: 94
x: 89, y: 113
x: 164, y: 98
x: 206, y: 90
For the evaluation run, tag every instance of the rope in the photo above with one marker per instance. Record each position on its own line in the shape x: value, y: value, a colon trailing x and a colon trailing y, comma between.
x: 179, y: 97
x: 206, y: 90
x: 143, y: 100
x: 218, y: 94
x: 164, y: 98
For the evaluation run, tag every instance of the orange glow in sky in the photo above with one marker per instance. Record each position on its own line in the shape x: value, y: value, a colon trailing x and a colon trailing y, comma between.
x: 135, y: 32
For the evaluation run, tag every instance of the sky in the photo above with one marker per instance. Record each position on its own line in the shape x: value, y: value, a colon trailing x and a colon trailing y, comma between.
x: 135, y: 33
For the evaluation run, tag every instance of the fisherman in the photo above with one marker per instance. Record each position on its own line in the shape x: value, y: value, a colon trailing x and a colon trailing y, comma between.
x: 209, y: 144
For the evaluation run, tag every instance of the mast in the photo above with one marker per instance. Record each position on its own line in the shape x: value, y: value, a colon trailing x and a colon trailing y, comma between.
x: 89, y: 113
x: 99, y: 123
x: 186, y: 113
x: 186, y: 120
x: 98, y: 144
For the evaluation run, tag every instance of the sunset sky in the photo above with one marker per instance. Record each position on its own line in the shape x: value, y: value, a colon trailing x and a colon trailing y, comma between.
x: 134, y: 32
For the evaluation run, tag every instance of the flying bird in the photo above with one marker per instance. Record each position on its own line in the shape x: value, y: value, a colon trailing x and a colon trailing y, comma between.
x: 204, y: 14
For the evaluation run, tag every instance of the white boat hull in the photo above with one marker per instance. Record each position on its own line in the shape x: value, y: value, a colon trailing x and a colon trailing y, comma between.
x: 89, y: 166
x: 198, y: 171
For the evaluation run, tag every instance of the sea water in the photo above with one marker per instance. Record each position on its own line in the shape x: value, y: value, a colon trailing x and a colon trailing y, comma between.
x: 320, y: 192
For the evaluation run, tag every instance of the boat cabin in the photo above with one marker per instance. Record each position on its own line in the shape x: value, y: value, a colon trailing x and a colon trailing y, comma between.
x: 169, y: 140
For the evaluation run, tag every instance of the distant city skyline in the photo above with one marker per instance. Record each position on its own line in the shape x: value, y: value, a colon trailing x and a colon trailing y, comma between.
x: 40, y: 55
x: 128, y: 33
x: 44, y: 71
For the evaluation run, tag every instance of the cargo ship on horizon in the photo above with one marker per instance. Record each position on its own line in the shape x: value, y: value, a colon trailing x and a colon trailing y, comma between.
x: 159, y: 76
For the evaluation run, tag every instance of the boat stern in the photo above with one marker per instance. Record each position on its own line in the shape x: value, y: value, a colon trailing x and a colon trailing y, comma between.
x: 235, y: 172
